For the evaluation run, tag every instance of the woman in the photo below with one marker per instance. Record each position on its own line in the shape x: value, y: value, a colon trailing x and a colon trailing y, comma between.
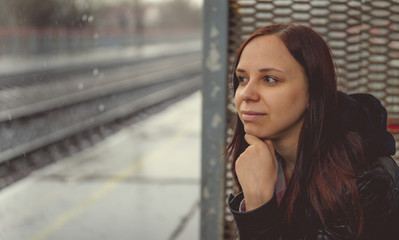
x: 310, y: 162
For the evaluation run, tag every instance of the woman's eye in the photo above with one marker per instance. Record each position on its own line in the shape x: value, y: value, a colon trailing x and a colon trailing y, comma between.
x: 269, y: 79
x: 242, y: 79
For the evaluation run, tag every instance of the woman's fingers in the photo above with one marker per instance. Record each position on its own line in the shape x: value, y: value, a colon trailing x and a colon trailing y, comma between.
x: 252, y: 140
x: 256, y: 169
x: 270, y: 145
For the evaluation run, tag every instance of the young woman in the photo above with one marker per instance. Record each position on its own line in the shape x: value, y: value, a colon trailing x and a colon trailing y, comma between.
x: 310, y: 162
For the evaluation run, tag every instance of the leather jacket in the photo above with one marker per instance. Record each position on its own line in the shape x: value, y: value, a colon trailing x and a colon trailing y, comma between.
x: 378, y: 187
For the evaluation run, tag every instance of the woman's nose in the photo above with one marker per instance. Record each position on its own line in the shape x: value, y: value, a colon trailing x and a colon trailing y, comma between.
x: 250, y: 92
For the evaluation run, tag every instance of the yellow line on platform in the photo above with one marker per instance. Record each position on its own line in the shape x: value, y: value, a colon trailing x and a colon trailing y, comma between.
x: 104, y: 189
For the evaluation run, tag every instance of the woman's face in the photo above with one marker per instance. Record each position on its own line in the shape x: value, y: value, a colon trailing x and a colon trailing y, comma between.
x: 272, y: 94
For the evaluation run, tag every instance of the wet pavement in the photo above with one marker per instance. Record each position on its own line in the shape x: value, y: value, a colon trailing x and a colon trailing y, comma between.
x: 140, y: 183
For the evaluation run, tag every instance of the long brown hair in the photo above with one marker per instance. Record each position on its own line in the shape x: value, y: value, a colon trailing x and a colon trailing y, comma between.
x: 324, y: 178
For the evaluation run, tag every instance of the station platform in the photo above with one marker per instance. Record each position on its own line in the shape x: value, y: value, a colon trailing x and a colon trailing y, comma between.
x: 140, y: 183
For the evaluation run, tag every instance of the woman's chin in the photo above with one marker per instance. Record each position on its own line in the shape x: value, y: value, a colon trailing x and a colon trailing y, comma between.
x: 258, y: 134
x: 255, y: 133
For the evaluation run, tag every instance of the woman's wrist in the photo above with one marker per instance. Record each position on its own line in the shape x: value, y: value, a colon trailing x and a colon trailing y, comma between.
x: 255, y: 200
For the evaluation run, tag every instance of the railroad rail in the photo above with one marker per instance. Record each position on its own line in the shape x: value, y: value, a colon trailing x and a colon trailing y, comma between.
x: 37, y: 115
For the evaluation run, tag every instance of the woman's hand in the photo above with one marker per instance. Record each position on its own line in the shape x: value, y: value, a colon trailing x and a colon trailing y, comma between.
x: 256, y: 169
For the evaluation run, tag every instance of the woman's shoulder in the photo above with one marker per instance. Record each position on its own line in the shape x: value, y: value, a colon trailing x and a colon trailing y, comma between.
x: 379, y: 194
x: 382, y: 172
x: 379, y: 186
x: 391, y: 167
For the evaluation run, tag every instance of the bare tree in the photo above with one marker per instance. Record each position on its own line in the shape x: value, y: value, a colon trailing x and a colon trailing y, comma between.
x: 179, y: 14
x: 46, y: 13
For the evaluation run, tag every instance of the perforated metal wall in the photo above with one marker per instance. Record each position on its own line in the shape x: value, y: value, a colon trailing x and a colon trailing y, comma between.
x: 363, y: 36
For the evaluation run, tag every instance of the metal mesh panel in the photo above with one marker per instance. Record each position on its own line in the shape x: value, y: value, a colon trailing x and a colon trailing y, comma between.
x: 363, y: 36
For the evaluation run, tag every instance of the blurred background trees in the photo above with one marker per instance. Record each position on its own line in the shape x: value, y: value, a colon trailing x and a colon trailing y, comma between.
x: 138, y: 14
x: 47, y: 13
x: 58, y: 26
x: 179, y: 14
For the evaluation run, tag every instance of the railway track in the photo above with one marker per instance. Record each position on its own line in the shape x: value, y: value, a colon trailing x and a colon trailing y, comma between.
x: 71, y: 114
x: 48, y: 74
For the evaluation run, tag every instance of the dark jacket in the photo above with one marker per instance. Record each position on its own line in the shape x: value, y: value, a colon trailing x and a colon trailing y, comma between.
x: 378, y: 186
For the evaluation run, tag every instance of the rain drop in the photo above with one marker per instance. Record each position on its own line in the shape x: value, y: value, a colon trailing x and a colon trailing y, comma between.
x: 95, y: 71
x: 101, y: 107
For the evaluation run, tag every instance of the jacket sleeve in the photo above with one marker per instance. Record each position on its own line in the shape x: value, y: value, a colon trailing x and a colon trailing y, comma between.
x: 263, y: 222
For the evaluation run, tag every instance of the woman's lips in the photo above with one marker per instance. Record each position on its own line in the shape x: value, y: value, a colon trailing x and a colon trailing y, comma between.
x: 251, y: 116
